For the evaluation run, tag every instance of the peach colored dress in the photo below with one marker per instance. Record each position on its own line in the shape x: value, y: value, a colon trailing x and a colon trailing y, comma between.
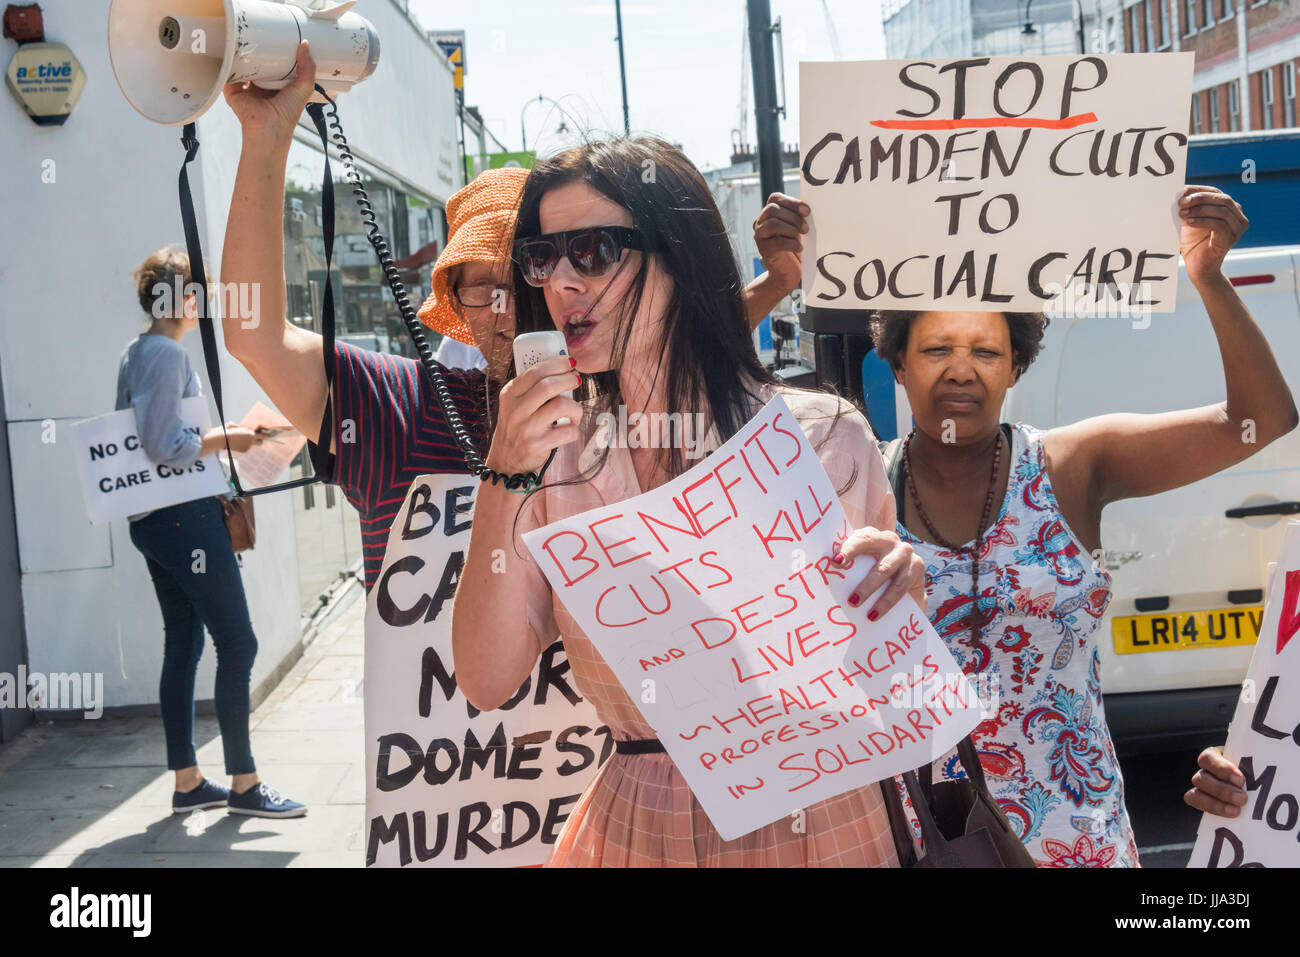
x: 638, y: 811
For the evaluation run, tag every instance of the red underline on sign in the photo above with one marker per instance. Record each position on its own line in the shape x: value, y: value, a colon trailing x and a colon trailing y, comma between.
x: 978, y: 123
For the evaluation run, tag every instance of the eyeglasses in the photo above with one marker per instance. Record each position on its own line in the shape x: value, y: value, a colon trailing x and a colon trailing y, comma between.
x: 590, y: 251
x: 481, y: 295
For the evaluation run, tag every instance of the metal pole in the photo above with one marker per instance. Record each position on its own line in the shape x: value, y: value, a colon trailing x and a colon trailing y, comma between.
x: 770, y: 174
x: 464, y: 147
x: 622, y: 69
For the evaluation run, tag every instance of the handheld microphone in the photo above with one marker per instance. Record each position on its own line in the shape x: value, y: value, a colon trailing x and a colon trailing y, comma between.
x: 533, y: 347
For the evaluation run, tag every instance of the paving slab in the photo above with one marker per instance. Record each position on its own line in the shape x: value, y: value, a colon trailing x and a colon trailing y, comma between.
x: 98, y: 793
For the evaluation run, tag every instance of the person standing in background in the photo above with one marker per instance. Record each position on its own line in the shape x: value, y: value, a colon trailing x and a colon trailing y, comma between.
x: 154, y: 375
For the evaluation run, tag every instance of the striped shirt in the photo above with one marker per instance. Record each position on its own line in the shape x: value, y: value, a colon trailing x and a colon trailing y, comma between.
x: 389, y: 429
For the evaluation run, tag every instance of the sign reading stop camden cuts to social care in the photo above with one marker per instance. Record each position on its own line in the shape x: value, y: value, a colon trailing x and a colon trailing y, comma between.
x: 995, y: 183
x: 1264, y: 739
x: 715, y: 601
x: 448, y: 785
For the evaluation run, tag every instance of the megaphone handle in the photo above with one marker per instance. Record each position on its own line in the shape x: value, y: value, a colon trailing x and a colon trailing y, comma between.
x: 520, y: 482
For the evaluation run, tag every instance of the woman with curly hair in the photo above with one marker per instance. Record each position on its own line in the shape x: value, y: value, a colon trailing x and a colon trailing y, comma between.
x: 1008, y: 521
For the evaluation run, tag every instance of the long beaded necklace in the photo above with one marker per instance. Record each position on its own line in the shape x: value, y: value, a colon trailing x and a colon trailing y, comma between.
x: 974, y: 619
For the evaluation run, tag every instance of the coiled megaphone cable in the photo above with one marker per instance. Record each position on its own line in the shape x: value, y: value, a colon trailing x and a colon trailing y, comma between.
x: 519, y: 482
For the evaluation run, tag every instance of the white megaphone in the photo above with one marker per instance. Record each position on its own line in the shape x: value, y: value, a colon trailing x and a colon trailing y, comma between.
x: 173, y: 57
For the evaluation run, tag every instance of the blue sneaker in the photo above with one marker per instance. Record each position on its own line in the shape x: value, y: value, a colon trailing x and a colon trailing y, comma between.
x: 209, y: 794
x: 263, y: 801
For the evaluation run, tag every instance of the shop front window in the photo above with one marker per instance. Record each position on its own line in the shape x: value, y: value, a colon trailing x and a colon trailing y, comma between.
x: 326, y: 525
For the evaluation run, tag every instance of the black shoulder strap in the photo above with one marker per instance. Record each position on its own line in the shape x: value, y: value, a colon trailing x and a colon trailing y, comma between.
x: 207, y: 331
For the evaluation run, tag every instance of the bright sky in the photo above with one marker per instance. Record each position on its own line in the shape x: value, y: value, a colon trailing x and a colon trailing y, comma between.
x: 683, y: 64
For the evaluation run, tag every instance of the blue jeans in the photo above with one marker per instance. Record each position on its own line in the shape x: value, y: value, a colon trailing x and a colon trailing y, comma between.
x: 196, y: 577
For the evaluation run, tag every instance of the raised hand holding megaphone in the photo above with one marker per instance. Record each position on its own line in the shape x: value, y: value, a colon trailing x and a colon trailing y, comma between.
x: 269, y: 117
x: 172, y: 58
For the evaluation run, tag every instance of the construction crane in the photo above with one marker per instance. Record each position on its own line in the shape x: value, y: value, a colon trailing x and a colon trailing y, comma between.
x: 740, y: 135
x: 831, y: 32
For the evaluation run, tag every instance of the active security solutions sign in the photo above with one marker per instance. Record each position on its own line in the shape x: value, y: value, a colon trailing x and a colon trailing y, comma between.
x: 118, y: 479
x: 47, y: 79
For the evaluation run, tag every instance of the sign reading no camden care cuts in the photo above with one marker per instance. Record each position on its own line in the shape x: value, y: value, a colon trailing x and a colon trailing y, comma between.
x: 118, y: 479
x: 714, y: 600
x: 445, y: 784
x: 997, y: 183
x: 1264, y: 739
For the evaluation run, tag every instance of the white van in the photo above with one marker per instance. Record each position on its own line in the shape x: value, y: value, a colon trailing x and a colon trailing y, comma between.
x: 1188, y: 565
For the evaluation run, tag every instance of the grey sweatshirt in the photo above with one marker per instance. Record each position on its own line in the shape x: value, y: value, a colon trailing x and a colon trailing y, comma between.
x: 153, y: 376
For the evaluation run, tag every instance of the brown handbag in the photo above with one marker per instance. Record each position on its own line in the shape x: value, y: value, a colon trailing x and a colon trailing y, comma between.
x: 961, y: 823
x: 239, y: 522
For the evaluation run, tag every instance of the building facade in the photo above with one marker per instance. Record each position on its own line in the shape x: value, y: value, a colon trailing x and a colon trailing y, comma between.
x: 1247, y: 51
x: 91, y: 199
x: 962, y: 28
x: 1247, y: 54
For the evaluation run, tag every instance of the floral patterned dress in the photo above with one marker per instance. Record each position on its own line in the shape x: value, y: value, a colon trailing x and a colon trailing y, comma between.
x: 1045, y: 747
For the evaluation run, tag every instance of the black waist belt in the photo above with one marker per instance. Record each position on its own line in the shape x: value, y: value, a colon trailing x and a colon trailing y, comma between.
x: 640, y: 746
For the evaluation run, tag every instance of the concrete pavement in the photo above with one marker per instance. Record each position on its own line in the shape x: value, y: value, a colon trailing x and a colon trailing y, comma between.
x: 97, y: 793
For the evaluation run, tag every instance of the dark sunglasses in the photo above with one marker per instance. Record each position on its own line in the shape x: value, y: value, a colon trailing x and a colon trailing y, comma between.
x: 590, y: 251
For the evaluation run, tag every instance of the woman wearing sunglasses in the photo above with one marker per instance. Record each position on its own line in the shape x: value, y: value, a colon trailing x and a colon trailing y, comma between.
x: 400, y: 429
x: 638, y: 273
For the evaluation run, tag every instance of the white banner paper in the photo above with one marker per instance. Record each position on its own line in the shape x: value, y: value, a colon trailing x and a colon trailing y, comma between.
x: 997, y: 183
x: 715, y: 601
x: 117, y: 478
x: 447, y: 785
x: 1264, y: 739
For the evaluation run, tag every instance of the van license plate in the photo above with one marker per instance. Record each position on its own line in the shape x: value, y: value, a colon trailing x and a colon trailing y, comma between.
x: 1218, y: 628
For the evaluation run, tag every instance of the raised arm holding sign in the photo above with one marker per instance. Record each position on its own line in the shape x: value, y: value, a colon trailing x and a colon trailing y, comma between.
x: 1007, y: 518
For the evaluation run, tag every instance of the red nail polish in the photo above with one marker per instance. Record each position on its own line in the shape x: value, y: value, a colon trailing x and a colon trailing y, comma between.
x: 573, y: 363
x: 854, y: 600
x: 873, y: 615
x: 840, y: 559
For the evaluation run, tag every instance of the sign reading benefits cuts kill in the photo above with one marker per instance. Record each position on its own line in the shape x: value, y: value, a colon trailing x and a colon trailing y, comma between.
x: 715, y: 601
x: 995, y: 183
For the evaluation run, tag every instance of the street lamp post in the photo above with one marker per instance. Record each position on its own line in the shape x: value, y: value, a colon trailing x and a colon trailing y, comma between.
x: 622, y: 70
x: 523, y: 133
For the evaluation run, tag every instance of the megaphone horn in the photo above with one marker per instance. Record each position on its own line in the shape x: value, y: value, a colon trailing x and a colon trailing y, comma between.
x: 173, y: 57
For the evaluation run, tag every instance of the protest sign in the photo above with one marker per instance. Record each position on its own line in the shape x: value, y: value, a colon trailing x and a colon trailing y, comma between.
x: 996, y: 183
x: 447, y: 785
x: 118, y: 479
x: 262, y: 464
x: 715, y: 601
x: 1264, y: 739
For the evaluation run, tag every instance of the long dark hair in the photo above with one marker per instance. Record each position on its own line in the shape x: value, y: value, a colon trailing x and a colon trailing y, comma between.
x: 706, y: 348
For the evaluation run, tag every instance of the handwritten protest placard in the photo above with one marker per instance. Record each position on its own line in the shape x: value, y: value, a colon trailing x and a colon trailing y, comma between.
x: 995, y: 183
x: 263, y: 464
x: 1264, y: 739
x: 447, y: 785
x: 118, y: 479
x: 715, y: 601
